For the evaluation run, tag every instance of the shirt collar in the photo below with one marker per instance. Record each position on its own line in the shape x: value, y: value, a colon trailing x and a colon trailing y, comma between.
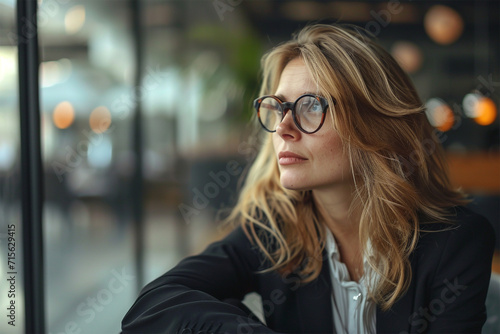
x: 333, y: 250
x: 331, y: 245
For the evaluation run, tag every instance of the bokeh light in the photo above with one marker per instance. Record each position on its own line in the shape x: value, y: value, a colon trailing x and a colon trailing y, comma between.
x: 302, y: 10
x: 440, y: 114
x: 486, y: 111
x: 443, y: 24
x: 74, y: 19
x: 8, y: 64
x: 480, y: 108
x: 55, y: 72
x: 408, y: 56
x: 100, y: 119
x: 49, y: 73
x: 63, y: 115
x: 469, y: 104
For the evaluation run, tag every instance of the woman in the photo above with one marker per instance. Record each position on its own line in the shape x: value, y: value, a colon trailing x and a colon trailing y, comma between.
x: 347, y: 222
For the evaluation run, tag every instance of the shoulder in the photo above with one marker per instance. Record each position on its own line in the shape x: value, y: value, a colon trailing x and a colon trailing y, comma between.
x: 238, y: 240
x: 467, y: 238
x: 451, y: 269
x: 242, y: 245
x: 464, y: 224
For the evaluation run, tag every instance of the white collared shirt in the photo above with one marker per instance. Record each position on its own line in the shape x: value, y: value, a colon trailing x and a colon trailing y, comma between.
x: 353, y: 312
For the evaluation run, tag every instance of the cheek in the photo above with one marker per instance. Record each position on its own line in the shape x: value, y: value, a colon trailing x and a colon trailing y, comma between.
x: 333, y: 152
x: 332, y: 145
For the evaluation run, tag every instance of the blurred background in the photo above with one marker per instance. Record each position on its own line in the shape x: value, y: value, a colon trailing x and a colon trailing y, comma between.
x: 144, y: 118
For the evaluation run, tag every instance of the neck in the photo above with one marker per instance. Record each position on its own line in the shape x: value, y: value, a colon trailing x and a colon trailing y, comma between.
x: 336, y: 208
x: 342, y: 217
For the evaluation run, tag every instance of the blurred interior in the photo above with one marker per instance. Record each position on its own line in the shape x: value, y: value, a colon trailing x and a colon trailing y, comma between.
x: 198, y: 69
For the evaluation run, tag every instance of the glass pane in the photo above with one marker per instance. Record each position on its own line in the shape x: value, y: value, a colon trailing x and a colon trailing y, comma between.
x: 200, y: 74
x: 86, y: 102
x: 201, y: 66
x: 11, y: 264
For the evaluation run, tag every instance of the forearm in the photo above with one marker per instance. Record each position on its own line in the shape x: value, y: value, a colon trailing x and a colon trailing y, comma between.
x: 191, y: 295
x: 173, y: 308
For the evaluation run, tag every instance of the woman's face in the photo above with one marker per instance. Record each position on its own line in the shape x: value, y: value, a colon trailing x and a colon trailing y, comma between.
x: 307, y: 161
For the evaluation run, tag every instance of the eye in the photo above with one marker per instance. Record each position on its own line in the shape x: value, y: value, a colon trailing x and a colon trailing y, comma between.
x: 316, y: 106
x: 310, y: 105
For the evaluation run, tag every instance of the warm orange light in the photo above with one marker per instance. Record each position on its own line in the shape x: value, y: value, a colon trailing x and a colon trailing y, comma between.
x: 444, y: 117
x: 408, y: 56
x: 440, y: 114
x: 100, y: 119
x: 443, y: 24
x: 486, y: 111
x: 63, y: 115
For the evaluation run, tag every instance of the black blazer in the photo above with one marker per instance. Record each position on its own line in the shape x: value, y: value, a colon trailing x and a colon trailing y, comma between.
x: 451, y: 272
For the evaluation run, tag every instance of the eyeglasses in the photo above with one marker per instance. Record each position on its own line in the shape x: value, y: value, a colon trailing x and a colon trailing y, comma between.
x: 308, y: 112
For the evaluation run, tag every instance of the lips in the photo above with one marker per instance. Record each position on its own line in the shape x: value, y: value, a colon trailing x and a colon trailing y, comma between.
x: 290, y: 158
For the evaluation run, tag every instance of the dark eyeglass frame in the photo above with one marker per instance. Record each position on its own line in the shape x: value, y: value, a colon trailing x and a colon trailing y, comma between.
x: 286, y: 106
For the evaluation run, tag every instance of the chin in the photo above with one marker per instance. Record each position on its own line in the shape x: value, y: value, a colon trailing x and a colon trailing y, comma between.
x: 294, y: 184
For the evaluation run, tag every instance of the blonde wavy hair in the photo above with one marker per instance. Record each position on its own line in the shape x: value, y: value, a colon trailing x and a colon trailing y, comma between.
x: 397, y: 162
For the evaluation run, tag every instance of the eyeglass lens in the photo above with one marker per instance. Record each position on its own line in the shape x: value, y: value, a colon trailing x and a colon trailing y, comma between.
x: 308, y: 113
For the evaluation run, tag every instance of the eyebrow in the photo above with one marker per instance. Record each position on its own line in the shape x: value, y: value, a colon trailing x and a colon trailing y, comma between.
x: 282, y: 98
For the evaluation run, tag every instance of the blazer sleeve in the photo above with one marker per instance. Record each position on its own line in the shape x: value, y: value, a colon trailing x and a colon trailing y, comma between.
x: 190, y: 297
x: 456, y: 302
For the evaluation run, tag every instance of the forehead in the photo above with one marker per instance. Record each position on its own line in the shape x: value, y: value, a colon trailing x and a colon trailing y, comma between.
x: 295, y: 80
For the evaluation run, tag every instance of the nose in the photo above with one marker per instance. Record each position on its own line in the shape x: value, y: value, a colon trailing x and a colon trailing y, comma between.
x: 287, y: 128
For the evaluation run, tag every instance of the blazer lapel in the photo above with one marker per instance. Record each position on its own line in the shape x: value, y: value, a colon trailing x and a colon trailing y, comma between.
x: 314, y: 304
x: 397, y: 319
